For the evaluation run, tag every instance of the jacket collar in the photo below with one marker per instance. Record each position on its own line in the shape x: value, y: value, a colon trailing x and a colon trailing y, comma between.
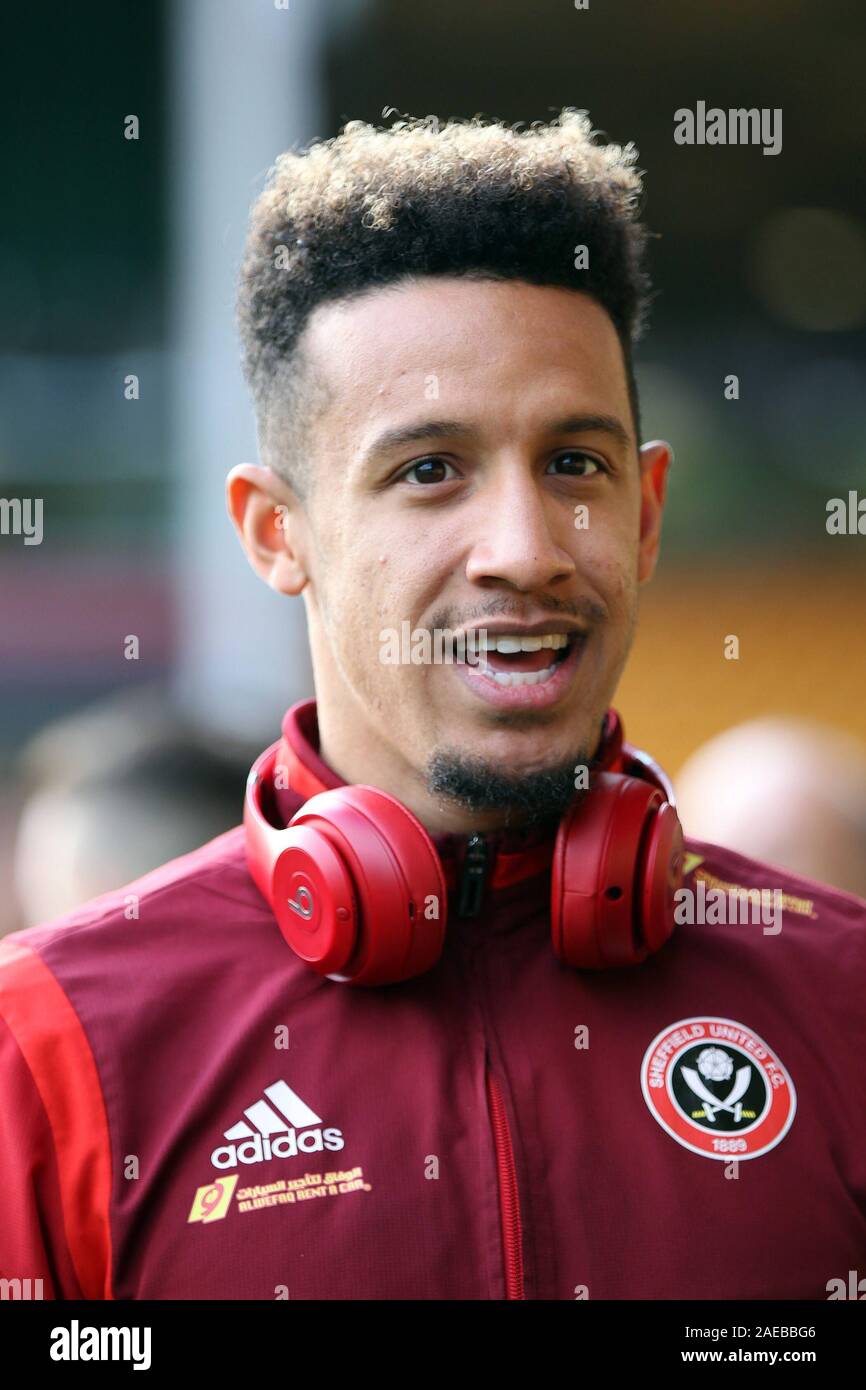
x: 515, y: 854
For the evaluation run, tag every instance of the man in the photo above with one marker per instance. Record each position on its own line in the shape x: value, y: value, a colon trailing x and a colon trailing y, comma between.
x: 788, y: 790
x: 433, y: 1041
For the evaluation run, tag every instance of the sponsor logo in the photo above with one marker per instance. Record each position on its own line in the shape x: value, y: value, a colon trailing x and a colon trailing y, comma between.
x: 280, y: 1126
x: 716, y: 907
x: 211, y: 1202
x: 805, y: 907
x: 717, y: 1088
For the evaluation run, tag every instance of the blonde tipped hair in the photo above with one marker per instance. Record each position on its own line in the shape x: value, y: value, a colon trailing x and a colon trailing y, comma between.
x: 476, y: 197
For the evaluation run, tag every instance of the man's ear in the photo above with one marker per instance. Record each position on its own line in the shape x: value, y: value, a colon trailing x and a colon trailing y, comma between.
x: 655, y: 459
x: 269, y: 520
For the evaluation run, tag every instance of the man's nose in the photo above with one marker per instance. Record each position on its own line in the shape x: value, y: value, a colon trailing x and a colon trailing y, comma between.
x: 520, y: 534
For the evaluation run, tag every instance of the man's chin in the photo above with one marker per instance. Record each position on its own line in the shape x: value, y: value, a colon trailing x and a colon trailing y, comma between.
x: 523, y: 742
x: 482, y: 784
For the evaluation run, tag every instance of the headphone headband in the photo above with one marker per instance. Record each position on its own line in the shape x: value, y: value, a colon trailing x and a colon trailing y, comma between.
x: 359, y: 892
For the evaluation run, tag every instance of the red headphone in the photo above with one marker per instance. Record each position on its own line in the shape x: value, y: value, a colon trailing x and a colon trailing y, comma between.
x: 351, y: 876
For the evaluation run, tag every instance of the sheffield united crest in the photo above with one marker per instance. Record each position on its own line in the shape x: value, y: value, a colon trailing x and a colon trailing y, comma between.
x: 717, y: 1088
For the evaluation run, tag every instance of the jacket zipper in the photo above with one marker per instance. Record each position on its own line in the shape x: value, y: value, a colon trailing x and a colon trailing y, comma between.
x: 472, y: 880
x: 472, y: 877
x: 509, y: 1205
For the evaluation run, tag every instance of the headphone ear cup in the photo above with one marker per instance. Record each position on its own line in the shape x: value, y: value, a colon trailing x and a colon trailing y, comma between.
x: 617, y: 863
x: 353, y: 884
x: 660, y: 874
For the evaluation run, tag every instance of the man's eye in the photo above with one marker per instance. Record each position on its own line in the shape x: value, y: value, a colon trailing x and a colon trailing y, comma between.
x: 581, y: 466
x: 430, y: 470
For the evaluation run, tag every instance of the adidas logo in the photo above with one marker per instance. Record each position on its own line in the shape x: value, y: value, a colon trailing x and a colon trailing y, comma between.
x: 282, y: 1128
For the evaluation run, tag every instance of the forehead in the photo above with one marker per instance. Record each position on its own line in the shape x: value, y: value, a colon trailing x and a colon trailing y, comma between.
x: 472, y: 341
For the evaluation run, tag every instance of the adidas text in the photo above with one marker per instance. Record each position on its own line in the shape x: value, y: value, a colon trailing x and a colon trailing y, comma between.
x: 262, y: 1148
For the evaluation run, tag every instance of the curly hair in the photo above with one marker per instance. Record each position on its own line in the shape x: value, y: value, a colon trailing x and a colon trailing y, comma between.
x: 373, y: 206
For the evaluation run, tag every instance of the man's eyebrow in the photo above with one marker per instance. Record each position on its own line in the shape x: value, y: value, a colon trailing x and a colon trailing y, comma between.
x: 414, y: 434
x: 587, y: 424
x: 431, y: 429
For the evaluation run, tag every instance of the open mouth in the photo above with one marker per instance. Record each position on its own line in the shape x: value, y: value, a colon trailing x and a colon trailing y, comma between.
x: 516, y: 660
x: 516, y: 672
x: 520, y: 672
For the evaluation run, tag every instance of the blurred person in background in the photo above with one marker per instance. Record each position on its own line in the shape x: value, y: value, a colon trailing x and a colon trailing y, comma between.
x: 788, y: 791
x: 115, y: 789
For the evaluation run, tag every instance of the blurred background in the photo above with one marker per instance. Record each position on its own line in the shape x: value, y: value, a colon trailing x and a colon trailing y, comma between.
x: 143, y: 666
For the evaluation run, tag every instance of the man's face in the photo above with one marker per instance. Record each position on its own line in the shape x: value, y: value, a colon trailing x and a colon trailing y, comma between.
x: 520, y: 501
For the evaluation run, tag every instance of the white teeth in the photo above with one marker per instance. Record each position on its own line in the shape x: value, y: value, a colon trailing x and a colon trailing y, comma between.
x: 518, y: 677
x: 509, y: 645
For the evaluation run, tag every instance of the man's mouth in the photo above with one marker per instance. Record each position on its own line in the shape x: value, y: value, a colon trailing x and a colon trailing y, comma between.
x: 517, y: 670
x: 513, y: 660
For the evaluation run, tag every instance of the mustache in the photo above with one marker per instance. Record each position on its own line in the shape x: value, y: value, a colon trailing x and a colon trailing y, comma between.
x: 590, y: 611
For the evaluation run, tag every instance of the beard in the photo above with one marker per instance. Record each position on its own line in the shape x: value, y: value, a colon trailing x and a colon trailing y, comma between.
x: 528, y: 799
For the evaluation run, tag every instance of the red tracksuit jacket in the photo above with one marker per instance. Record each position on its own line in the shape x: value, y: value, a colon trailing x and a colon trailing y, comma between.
x: 188, y: 1111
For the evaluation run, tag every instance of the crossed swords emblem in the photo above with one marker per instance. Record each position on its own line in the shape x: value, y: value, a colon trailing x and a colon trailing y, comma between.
x: 713, y: 1104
